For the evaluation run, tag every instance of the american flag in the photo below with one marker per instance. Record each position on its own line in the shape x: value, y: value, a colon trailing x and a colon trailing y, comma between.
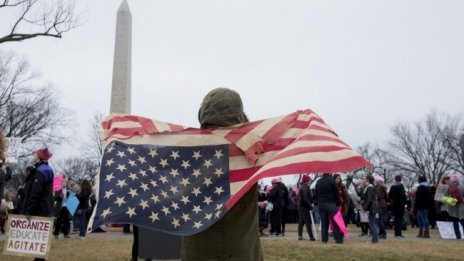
x: 182, y: 180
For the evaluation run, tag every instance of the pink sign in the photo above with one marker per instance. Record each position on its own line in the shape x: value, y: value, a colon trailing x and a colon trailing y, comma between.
x: 57, y: 182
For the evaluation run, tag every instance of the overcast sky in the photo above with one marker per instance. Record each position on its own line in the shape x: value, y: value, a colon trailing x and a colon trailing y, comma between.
x: 361, y: 65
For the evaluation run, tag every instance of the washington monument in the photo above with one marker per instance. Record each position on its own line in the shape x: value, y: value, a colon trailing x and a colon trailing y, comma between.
x: 121, y: 86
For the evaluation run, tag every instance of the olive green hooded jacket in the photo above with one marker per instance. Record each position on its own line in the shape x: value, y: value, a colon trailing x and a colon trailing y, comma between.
x: 235, y: 237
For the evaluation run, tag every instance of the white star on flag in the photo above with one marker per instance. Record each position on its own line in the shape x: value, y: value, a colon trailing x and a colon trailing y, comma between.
x: 131, y: 212
x: 120, y: 201
x: 218, y: 154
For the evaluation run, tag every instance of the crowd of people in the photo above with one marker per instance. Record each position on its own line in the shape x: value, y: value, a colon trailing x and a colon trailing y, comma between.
x: 36, y: 197
x: 368, y: 203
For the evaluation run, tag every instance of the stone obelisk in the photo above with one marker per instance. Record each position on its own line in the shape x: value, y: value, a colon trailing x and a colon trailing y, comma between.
x: 121, y: 86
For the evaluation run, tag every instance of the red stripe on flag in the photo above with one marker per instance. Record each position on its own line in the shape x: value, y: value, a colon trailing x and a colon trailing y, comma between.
x: 148, y: 125
x: 242, y: 174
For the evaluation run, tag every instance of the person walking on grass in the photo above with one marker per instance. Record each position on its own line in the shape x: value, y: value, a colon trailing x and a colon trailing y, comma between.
x: 397, y: 197
x: 421, y: 206
x: 328, y: 198
x: 305, y: 205
x: 382, y: 196
x: 83, y: 196
x: 372, y: 205
x: 38, y: 189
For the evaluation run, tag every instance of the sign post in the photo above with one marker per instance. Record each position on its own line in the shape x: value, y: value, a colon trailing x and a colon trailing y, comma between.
x: 28, y: 238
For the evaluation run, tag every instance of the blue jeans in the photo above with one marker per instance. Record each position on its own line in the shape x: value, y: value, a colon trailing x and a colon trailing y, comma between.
x: 373, y: 227
x: 83, y: 223
x: 382, y: 213
x: 423, y: 218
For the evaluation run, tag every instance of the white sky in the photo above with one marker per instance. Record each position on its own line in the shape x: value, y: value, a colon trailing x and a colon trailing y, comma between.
x: 361, y: 65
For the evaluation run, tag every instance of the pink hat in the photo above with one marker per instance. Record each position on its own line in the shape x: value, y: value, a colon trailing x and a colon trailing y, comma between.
x: 44, y: 154
x: 454, y: 178
x: 305, y: 179
x: 276, y: 180
x: 378, y: 179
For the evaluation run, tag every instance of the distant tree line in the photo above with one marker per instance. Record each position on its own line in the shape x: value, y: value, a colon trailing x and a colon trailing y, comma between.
x: 432, y: 147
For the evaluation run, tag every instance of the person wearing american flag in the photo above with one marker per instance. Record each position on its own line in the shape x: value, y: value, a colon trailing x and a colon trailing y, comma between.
x: 202, y: 183
x: 235, y: 236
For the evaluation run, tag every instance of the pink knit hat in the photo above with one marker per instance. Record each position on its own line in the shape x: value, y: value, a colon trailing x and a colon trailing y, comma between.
x: 276, y: 180
x: 454, y: 178
x: 305, y: 179
x: 378, y: 179
x: 44, y: 154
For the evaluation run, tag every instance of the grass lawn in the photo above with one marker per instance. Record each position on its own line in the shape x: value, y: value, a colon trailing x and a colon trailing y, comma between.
x: 114, y: 246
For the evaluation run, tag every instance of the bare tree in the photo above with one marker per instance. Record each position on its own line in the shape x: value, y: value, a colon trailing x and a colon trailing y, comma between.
x: 453, y: 137
x: 419, y: 149
x: 32, y: 113
x: 77, y: 169
x: 91, y: 150
x: 34, y: 18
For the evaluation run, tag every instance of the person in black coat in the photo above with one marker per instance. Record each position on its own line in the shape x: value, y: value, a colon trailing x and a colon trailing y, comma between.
x: 422, y: 205
x: 276, y: 197
x: 83, y: 196
x: 371, y: 204
x: 397, y: 197
x: 285, y: 212
x: 38, y: 189
x: 61, y: 211
x: 304, y: 205
x: 328, y: 198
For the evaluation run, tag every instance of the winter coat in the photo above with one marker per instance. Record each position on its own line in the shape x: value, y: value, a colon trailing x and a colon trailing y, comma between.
x: 83, y: 198
x: 422, y: 196
x: 327, y: 190
x: 276, y: 197
x: 456, y: 211
x: 382, y: 196
x: 38, y: 191
x: 370, y: 203
x: 304, y: 199
x: 397, y: 197
x: 286, y: 194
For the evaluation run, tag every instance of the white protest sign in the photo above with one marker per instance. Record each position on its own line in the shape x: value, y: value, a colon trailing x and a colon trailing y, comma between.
x: 12, y: 153
x: 447, y: 230
x: 28, y: 238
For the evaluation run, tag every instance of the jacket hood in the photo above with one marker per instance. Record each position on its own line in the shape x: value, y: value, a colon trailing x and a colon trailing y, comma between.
x: 221, y: 107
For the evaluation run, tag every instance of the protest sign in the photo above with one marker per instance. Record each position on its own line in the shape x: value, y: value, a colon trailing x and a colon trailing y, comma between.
x: 57, y: 182
x: 447, y: 230
x: 28, y: 238
x: 71, y: 203
x: 442, y: 190
x: 12, y: 152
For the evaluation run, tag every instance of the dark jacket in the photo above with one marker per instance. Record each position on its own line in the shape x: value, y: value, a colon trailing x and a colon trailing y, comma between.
x: 327, y: 190
x: 286, y: 195
x: 38, y: 191
x: 83, y: 198
x: 276, y: 196
x: 58, y: 201
x: 304, y: 199
x: 397, y: 197
x: 370, y: 200
x: 422, y: 196
x: 382, y: 195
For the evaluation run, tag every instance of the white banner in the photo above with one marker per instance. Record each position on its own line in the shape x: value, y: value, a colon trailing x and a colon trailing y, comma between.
x: 12, y: 153
x: 447, y: 230
x: 28, y: 238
